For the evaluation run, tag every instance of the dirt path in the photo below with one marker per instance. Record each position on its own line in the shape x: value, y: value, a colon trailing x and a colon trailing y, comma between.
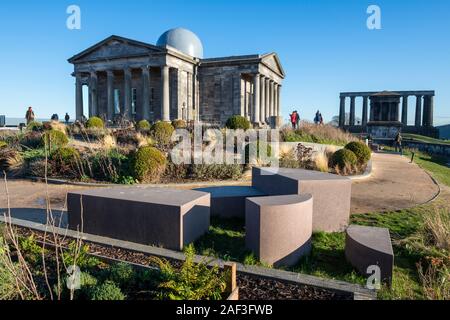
x: 395, y: 184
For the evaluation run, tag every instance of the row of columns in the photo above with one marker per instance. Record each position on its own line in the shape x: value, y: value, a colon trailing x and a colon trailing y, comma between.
x: 266, y: 99
x: 421, y: 119
x: 93, y: 95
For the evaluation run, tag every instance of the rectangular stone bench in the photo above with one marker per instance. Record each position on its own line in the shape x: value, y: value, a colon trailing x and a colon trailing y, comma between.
x: 332, y: 193
x: 229, y: 201
x: 170, y: 218
x: 279, y: 228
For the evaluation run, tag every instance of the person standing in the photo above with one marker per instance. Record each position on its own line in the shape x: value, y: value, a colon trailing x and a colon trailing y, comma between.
x: 320, y: 118
x: 297, y: 120
x: 293, y: 116
x: 398, y: 143
x: 67, y: 118
x: 29, y: 115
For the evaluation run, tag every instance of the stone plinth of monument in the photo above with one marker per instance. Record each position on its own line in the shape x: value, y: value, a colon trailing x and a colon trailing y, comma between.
x: 279, y: 228
x: 229, y: 201
x: 370, y: 246
x: 332, y: 193
x: 165, y: 217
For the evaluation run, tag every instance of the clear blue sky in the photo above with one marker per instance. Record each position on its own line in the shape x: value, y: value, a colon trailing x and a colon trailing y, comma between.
x: 324, y: 46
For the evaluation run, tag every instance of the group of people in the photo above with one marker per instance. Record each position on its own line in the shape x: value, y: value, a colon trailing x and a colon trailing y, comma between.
x: 295, y: 119
x: 30, y: 116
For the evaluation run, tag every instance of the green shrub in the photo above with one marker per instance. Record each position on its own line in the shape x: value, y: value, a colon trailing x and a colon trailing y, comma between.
x: 194, y: 281
x: 8, y: 282
x: 110, y: 165
x: 122, y: 274
x: 179, y: 124
x: 343, y: 158
x: 35, y: 126
x: 65, y: 155
x: 162, y: 133
x: 216, y: 171
x: 107, y: 291
x: 148, y: 164
x: 53, y: 139
x: 3, y: 144
x: 143, y: 125
x: 95, y: 122
x: 83, y: 258
x: 361, y: 151
x: 238, y: 122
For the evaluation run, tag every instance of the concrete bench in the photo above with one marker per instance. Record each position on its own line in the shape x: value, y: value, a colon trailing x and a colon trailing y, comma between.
x: 170, y: 218
x: 279, y: 228
x: 367, y: 246
x: 229, y: 201
x: 332, y: 193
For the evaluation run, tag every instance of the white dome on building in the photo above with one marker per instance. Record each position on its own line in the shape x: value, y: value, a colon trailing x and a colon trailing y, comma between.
x: 183, y: 40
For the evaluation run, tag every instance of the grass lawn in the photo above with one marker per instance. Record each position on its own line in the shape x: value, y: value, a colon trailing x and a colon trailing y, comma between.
x: 417, y: 137
x: 226, y: 240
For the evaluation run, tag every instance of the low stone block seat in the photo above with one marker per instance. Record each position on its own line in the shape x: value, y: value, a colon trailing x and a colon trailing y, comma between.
x: 170, y: 218
x: 279, y: 228
x: 229, y: 201
x: 366, y: 246
x: 332, y: 193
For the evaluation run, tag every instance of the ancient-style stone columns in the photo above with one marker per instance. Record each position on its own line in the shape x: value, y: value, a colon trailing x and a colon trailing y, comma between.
x: 279, y: 101
x: 93, y: 80
x: 110, y: 94
x: 262, y: 115
x: 430, y: 111
x: 78, y: 97
x: 272, y: 99
x: 165, y: 101
x: 275, y: 100
x: 405, y: 110
x: 418, y: 110
x: 364, y: 111
x: 342, y: 112
x: 267, y: 106
x: 127, y: 93
x: 145, y: 114
x: 425, y: 111
x: 352, y: 111
x: 256, y: 96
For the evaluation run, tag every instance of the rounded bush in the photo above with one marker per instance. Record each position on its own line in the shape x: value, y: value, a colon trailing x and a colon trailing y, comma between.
x: 143, y: 125
x: 35, y: 126
x: 343, y: 158
x: 122, y: 273
x: 54, y: 139
x: 148, y: 164
x: 179, y: 124
x: 107, y: 291
x: 65, y: 155
x: 162, y: 133
x: 95, y: 122
x: 238, y: 122
x: 361, y: 151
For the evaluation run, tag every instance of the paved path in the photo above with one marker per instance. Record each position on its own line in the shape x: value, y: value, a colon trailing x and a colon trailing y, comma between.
x: 395, y: 184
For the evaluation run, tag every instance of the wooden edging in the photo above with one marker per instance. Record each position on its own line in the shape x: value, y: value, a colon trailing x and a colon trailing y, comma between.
x: 358, y: 292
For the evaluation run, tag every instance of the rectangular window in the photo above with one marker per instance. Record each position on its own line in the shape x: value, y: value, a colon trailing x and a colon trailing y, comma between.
x: 117, y: 101
x: 133, y: 100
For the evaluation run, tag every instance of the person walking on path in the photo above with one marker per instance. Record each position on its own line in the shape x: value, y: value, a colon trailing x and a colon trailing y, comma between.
x: 294, y: 116
x: 29, y: 116
x: 398, y: 143
x: 297, y: 122
x: 316, y: 118
x: 67, y: 118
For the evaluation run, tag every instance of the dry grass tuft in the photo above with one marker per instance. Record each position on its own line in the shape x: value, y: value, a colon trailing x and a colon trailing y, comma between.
x: 437, y: 229
x: 321, y: 162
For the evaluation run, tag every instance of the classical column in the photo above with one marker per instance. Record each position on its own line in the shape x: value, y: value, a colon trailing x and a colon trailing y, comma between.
x: 145, y: 114
x: 110, y: 94
x: 78, y: 97
x: 275, y: 100
x: 425, y: 111
x: 256, y: 96
x: 93, y: 101
x: 342, y: 112
x: 272, y: 99
x: 262, y: 114
x: 279, y: 101
x: 364, y: 111
x: 267, y: 106
x: 127, y: 93
x: 418, y: 110
x: 405, y: 110
x: 165, y: 101
x: 431, y: 111
x: 352, y: 111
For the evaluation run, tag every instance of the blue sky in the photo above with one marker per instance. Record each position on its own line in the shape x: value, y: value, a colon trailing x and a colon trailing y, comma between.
x: 324, y: 46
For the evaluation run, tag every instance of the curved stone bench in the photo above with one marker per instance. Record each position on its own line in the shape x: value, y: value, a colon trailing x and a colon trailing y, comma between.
x: 279, y: 228
x: 171, y: 218
x: 332, y: 193
x: 367, y: 246
x: 229, y: 201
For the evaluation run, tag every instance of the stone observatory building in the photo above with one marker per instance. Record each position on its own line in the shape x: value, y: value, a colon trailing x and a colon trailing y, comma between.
x: 129, y: 79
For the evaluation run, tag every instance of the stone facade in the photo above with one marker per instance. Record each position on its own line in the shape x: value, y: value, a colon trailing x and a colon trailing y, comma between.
x: 132, y: 80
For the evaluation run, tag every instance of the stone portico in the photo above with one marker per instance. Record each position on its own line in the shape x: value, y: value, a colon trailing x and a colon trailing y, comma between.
x: 132, y: 80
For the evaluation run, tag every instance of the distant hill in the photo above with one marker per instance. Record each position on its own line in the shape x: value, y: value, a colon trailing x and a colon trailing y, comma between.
x: 444, y: 131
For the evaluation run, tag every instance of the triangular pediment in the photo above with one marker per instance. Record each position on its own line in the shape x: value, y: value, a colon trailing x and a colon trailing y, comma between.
x: 273, y: 62
x: 114, y: 47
